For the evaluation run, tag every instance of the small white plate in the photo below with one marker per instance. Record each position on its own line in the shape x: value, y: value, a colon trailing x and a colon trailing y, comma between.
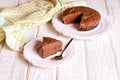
x: 69, y: 30
x: 33, y: 57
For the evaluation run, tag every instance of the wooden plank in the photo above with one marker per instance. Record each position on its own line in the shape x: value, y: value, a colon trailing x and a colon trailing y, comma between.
x: 98, y: 5
x: 113, y: 8
x: 11, y: 3
x: 97, y: 65
x: 8, y: 3
x: 95, y: 59
x: 12, y: 65
x: 26, y: 70
x: 99, y: 55
x: 39, y: 73
x: 75, y: 68
x: 85, y: 70
x: 100, y: 60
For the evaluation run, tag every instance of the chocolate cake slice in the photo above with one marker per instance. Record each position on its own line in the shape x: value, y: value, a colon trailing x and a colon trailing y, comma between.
x: 49, y: 47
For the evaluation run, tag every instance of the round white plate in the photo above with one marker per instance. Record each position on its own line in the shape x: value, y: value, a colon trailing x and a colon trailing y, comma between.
x: 33, y: 57
x: 69, y: 30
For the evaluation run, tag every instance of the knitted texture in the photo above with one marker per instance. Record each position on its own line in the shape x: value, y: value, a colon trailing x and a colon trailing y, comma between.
x: 16, y: 21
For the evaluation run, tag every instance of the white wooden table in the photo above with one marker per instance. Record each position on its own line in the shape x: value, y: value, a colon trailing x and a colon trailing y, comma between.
x: 96, y: 59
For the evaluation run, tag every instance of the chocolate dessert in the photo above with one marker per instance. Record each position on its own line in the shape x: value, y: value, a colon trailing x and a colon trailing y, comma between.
x: 49, y: 47
x: 87, y: 17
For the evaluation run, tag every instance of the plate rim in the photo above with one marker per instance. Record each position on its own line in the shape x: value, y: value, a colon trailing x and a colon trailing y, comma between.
x: 98, y: 34
x: 42, y: 65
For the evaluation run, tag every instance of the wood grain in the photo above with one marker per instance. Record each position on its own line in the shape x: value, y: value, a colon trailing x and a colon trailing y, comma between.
x: 13, y: 66
x: 76, y: 68
x: 100, y: 57
x: 114, y: 12
x: 8, y: 3
x: 97, y: 59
